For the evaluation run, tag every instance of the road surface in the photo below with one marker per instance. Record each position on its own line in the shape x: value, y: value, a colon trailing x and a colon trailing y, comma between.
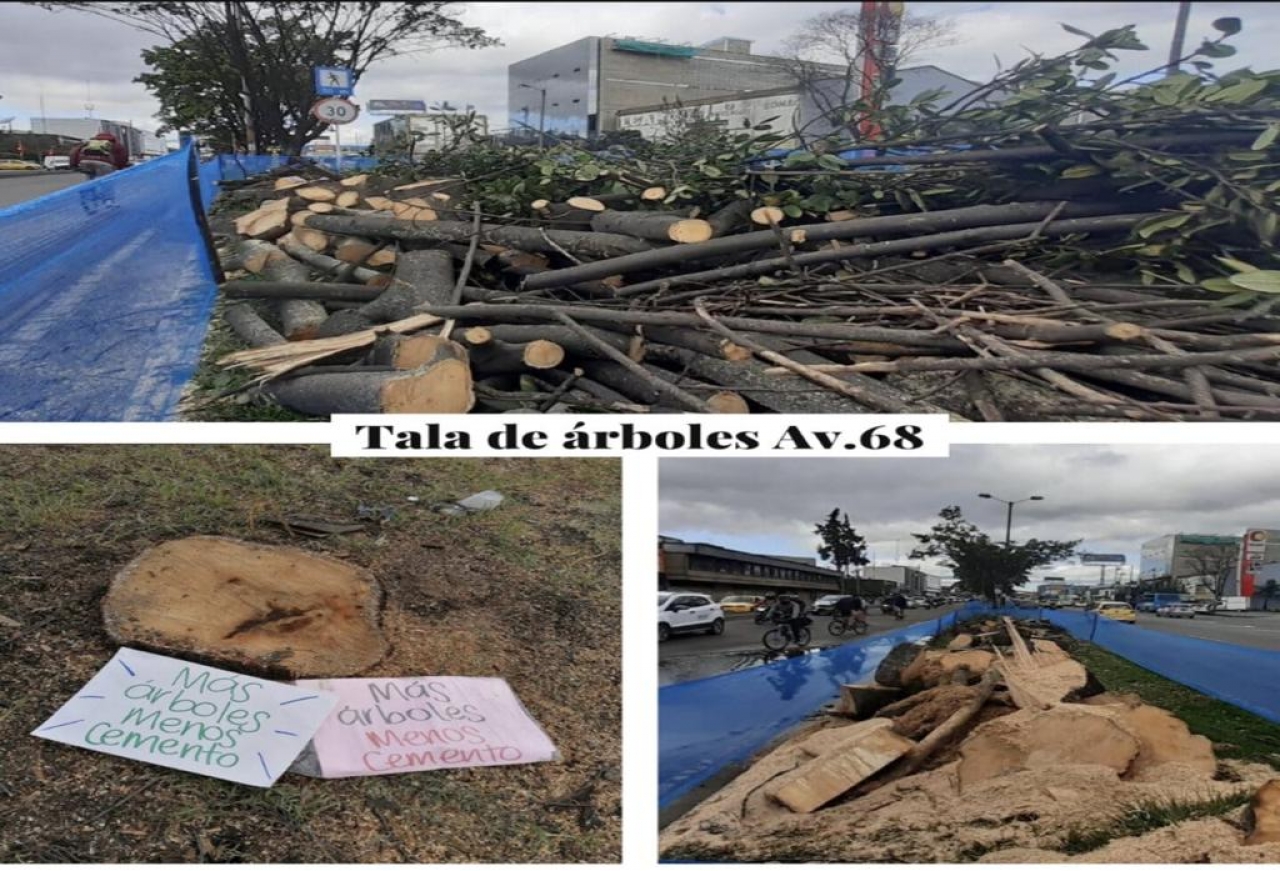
x: 685, y: 657
x: 1248, y: 629
x: 16, y: 189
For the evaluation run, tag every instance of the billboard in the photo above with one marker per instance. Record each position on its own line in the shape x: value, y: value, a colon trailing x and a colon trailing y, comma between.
x: 1102, y: 559
x: 1253, y: 556
x: 395, y: 107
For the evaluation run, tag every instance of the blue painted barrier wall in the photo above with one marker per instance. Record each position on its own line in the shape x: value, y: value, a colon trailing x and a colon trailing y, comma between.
x: 707, y: 724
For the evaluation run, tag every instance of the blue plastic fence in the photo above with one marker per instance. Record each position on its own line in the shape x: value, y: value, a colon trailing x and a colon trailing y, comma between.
x: 105, y: 293
x: 707, y: 724
x: 1246, y: 677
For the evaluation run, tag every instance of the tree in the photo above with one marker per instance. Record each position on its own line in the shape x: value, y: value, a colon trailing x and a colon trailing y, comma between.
x: 827, y: 53
x: 841, y: 544
x: 981, y: 565
x: 1218, y: 563
x: 1269, y: 591
x: 242, y: 72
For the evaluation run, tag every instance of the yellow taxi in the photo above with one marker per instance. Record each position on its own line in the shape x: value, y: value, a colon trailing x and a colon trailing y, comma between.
x: 11, y: 165
x: 1121, y: 611
x: 740, y: 604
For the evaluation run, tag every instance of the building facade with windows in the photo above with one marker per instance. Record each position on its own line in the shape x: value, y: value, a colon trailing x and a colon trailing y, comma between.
x: 1186, y: 560
x: 696, y: 567
x: 579, y: 89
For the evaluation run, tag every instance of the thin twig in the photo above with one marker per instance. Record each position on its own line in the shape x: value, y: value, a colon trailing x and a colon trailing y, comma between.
x: 467, y: 262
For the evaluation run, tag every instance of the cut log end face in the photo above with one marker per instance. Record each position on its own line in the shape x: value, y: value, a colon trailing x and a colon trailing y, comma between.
x: 727, y: 402
x: 542, y: 354
x: 439, y: 388
x: 261, y: 609
x: 767, y: 216
x: 690, y: 231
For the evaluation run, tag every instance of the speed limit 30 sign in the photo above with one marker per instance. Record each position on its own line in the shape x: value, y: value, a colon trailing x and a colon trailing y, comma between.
x: 335, y: 110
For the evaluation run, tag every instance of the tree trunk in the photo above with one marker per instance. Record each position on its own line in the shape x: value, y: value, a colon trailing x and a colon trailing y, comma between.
x: 523, y: 238
x: 254, y: 608
x: 249, y: 327
x: 440, y: 386
x: 652, y: 225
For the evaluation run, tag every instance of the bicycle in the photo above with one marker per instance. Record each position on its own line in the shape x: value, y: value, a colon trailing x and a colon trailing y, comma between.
x: 840, y: 625
x: 780, y: 636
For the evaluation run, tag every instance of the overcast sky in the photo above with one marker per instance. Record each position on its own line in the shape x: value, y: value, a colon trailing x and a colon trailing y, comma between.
x: 1113, y: 498
x: 75, y: 59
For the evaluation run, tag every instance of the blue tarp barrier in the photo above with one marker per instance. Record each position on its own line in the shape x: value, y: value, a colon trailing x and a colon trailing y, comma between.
x: 105, y: 293
x: 707, y: 724
x: 236, y: 167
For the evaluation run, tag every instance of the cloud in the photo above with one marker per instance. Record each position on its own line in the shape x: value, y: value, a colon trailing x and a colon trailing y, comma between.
x: 1111, y: 498
x: 68, y: 55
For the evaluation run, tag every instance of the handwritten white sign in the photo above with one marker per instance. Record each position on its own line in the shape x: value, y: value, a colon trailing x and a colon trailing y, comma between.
x: 394, y: 725
x: 191, y: 717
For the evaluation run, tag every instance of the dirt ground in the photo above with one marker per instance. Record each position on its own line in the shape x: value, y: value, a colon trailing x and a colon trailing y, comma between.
x: 529, y: 591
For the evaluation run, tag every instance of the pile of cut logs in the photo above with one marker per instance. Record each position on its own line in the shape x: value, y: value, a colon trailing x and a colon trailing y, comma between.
x: 359, y: 295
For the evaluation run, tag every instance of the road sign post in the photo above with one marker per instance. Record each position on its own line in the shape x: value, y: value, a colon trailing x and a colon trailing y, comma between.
x: 336, y: 111
x: 335, y: 82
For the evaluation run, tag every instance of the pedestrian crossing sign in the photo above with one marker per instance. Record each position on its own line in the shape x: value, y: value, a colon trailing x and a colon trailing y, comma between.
x: 334, y: 82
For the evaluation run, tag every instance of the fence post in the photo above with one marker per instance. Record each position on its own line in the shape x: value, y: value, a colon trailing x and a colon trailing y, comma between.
x: 1094, y: 629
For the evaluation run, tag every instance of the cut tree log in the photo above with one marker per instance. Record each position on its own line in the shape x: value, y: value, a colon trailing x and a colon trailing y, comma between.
x: 347, y: 200
x: 727, y: 402
x: 353, y: 249
x: 381, y: 257
x: 249, y: 327
x: 289, y: 182
x: 331, y: 291
x: 421, y: 277
x: 562, y: 216
x: 331, y: 265
x: 253, y: 256
x: 522, y: 238
x: 652, y: 225
x: 299, y: 318
x: 299, y: 218
x: 825, y: 778
x: 315, y: 194
x: 321, y: 208
x: 1264, y: 815
x: 440, y: 386
x: 354, y: 181
x: 311, y: 238
x: 601, y: 202
x: 567, y: 339
x: 255, y: 608
x: 653, y: 194
x: 732, y: 218
x: 407, y: 352
x: 911, y: 225
x: 268, y: 225
x: 492, y: 356
x: 767, y: 216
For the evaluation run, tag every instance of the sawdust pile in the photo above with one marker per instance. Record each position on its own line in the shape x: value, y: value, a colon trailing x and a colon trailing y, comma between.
x: 1041, y: 771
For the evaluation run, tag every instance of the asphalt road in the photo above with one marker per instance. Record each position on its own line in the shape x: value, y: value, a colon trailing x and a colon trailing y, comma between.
x: 1248, y: 629
x: 16, y: 189
x: 685, y: 657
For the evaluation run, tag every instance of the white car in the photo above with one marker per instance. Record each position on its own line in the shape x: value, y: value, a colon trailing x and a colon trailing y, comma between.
x: 688, y: 612
x: 57, y: 161
x: 1176, y: 609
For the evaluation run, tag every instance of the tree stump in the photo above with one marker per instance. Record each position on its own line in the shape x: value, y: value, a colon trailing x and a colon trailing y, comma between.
x: 261, y: 609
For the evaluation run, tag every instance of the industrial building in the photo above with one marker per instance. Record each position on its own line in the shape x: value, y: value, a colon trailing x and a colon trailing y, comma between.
x: 141, y: 143
x: 880, y: 580
x: 1186, y: 560
x: 579, y: 88
x: 782, y: 110
x: 720, y: 571
x: 434, y: 131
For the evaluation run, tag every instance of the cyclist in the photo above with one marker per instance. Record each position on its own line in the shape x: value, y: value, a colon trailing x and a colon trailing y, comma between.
x: 787, y: 608
x: 899, y: 603
x: 851, y: 608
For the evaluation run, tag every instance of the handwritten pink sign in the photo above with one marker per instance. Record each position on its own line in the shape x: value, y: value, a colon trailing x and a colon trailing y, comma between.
x: 395, y: 725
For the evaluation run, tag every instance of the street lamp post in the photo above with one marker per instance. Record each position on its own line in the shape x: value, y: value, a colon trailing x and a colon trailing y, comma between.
x: 1008, y: 522
x: 542, y: 113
